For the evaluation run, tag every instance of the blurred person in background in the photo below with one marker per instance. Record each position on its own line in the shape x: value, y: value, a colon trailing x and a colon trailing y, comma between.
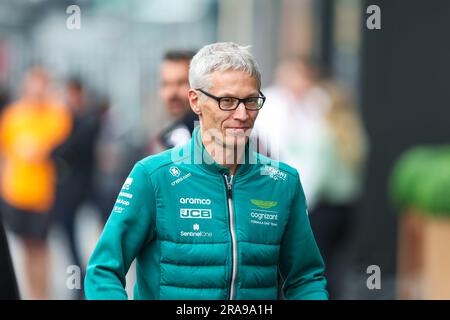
x: 112, y: 164
x: 75, y: 163
x: 30, y: 129
x: 4, y: 98
x: 173, y: 91
x: 108, y: 159
x: 8, y: 285
x: 315, y: 127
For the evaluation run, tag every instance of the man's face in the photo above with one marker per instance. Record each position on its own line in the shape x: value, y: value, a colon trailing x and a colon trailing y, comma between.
x: 37, y: 85
x: 174, y: 87
x: 75, y: 98
x: 234, y: 126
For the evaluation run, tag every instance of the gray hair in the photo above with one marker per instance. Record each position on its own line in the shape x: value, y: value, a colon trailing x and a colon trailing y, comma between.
x: 221, y: 56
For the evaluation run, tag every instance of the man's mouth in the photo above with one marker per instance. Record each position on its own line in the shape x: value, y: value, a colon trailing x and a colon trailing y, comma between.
x: 236, y: 130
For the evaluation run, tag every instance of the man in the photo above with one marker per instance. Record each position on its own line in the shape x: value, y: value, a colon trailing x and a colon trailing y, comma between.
x: 173, y: 92
x: 211, y: 219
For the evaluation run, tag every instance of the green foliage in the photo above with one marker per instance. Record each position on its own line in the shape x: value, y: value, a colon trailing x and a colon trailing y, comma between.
x: 421, y: 179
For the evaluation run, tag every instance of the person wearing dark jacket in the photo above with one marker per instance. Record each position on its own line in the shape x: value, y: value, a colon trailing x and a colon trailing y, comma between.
x: 173, y: 91
x: 75, y: 160
x: 8, y: 284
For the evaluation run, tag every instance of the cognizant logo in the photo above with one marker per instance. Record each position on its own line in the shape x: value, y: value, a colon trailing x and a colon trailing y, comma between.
x: 195, y: 201
x: 266, y: 216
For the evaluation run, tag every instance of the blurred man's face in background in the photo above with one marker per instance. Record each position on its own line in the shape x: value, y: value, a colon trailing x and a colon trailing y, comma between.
x: 296, y: 77
x: 75, y: 97
x: 36, y: 85
x: 174, y: 87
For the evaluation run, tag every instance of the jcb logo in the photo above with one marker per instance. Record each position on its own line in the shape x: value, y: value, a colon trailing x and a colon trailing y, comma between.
x: 196, y: 213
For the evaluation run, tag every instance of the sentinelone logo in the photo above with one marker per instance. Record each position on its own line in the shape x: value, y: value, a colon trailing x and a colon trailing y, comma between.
x: 197, y: 233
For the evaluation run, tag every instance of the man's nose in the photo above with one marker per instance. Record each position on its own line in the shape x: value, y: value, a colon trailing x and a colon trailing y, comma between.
x: 241, y: 112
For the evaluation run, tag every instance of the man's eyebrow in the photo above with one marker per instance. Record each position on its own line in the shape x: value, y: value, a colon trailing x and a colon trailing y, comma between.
x: 227, y: 94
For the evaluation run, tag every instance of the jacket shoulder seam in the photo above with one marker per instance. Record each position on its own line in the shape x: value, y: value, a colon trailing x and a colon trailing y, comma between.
x: 159, y: 166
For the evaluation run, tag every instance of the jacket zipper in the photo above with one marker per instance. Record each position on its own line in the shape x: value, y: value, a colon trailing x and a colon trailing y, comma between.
x: 233, y: 235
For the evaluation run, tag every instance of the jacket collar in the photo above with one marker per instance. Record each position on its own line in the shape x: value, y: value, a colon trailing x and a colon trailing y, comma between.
x: 200, y: 156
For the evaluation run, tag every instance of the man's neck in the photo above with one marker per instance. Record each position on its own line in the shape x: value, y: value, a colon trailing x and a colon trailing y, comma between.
x: 226, y: 157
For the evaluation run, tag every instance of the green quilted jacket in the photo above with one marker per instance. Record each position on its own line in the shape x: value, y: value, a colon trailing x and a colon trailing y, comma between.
x: 197, y: 232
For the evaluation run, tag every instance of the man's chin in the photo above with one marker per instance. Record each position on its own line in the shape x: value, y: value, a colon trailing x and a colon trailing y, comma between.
x: 177, y: 110
x: 233, y: 142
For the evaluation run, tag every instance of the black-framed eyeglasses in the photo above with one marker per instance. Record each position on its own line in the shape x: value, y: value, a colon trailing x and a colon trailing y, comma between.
x: 231, y: 103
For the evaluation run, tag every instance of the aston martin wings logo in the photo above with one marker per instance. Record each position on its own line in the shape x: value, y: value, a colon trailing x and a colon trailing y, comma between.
x: 264, y: 204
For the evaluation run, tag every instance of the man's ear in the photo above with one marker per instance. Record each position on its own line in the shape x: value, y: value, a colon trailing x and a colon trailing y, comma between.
x: 194, y: 100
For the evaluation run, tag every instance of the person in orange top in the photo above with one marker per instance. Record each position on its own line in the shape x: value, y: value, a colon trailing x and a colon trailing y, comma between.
x: 29, y: 130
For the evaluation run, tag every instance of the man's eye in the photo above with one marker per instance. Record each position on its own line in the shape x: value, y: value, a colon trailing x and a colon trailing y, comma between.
x: 227, y: 100
x: 252, y: 101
